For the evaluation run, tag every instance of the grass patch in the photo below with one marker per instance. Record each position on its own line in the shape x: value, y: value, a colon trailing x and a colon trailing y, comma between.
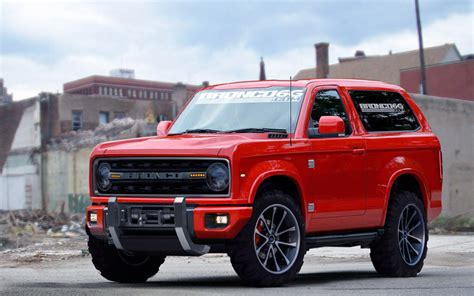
x: 461, y: 223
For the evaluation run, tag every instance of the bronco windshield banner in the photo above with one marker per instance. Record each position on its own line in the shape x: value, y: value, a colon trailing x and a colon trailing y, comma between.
x: 240, y: 96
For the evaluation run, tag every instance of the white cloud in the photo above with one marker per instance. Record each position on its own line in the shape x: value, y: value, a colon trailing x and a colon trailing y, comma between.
x: 96, y: 41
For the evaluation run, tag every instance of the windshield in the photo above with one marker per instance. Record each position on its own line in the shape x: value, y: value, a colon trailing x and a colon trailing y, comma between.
x: 241, y: 110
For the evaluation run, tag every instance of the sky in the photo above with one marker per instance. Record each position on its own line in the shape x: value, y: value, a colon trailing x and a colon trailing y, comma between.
x: 46, y: 43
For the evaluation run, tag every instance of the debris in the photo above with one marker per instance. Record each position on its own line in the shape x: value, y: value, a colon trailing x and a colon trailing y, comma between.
x: 118, y: 129
x: 21, y: 228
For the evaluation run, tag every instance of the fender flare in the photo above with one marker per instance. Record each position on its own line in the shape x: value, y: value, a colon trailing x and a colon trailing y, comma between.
x: 406, y: 171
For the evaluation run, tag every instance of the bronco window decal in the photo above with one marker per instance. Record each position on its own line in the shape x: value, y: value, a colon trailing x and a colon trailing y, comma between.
x: 250, y: 96
x: 382, y: 108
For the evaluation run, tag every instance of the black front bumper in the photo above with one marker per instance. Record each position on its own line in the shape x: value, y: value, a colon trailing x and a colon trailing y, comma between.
x: 152, y: 229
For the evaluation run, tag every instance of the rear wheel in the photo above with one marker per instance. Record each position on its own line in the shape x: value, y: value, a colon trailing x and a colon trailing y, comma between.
x: 403, y: 247
x: 269, y: 250
x: 120, y: 266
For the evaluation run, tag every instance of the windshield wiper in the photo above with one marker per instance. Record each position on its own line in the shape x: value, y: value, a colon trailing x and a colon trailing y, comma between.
x: 199, y: 131
x: 258, y: 130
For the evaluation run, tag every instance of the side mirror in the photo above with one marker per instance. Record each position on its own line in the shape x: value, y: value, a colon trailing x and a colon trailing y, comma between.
x: 331, y: 125
x: 162, y: 128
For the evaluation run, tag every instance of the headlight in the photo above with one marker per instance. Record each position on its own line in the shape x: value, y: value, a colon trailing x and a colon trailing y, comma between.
x: 217, y: 176
x: 103, y: 172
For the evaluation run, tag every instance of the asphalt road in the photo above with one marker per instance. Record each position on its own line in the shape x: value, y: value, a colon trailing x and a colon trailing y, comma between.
x: 449, y: 270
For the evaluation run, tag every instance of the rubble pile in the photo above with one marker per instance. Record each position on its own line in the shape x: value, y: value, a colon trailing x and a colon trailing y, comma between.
x: 25, y: 227
x: 116, y: 130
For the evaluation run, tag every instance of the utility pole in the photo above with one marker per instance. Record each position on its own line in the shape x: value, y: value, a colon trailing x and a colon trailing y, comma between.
x: 422, y: 53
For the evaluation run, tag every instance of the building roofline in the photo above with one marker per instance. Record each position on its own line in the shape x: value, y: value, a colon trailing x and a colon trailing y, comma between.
x: 438, y: 65
x: 382, y: 56
x: 125, y: 81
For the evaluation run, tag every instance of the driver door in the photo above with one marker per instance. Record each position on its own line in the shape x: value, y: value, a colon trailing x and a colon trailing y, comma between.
x: 339, y: 178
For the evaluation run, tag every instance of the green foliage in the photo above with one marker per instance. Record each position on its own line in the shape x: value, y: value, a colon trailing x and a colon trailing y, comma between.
x: 461, y: 223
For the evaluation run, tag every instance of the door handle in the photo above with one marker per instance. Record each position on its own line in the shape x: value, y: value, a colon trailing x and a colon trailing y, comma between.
x: 358, y: 151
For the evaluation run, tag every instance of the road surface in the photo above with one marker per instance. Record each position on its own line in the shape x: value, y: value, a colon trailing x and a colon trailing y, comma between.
x: 449, y: 270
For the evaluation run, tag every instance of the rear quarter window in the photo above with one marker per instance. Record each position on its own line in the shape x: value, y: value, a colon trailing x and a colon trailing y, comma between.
x: 384, y: 111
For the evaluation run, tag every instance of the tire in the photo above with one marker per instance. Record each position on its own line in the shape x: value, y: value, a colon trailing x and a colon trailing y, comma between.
x: 120, y: 267
x: 272, y: 241
x: 401, y: 250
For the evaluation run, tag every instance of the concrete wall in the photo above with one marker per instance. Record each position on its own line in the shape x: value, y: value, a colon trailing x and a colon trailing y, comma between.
x: 453, y: 122
x: 66, y: 180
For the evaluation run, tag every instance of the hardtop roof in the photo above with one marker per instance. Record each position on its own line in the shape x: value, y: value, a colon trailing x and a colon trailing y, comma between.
x: 349, y: 83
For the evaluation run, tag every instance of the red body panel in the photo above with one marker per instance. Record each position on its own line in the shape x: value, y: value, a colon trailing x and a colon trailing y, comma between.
x: 349, y: 186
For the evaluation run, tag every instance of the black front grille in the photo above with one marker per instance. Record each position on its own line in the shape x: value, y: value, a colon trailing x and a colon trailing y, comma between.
x: 157, y: 176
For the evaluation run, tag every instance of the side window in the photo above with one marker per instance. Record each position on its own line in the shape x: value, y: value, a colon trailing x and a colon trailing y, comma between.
x: 383, y: 111
x: 328, y: 103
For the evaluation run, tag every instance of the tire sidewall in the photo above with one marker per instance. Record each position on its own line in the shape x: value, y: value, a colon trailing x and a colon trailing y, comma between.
x: 396, y: 207
x: 414, y: 201
x: 246, y: 239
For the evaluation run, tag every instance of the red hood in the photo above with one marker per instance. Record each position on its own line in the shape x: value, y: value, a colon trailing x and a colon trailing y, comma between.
x: 182, y: 145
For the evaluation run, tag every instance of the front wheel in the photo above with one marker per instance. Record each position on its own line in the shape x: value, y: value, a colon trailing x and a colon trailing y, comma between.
x: 120, y: 266
x: 269, y: 250
x: 403, y: 247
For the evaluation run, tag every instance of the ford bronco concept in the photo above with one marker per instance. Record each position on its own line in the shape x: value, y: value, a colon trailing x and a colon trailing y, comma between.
x: 264, y: 171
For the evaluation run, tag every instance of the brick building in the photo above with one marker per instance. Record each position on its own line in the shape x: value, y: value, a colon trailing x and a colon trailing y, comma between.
x: 448, y: 73
x: 130, y: 88
x: 94, y: 100
x: 453, y: 80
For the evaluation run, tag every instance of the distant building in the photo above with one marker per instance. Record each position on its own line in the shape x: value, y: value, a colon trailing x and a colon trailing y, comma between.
x: 448, y: 73
x: 20, y: 144
x: 378, y: 67
x: 452, y: 80
x: 5, y: 98
x: 72, y: 112
x: 131, y: 88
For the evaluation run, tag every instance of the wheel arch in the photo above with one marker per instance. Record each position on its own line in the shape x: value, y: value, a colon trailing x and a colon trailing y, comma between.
x: 279, y: 180
x: 410, y: 180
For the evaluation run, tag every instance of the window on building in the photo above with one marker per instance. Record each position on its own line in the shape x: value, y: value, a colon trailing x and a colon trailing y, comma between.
x: 383, y: 111
x: 100, y: 90
x: 76, y: 120
x: 120, y: 92
x: 103, y: 117
x: 328, y: 103
x: 134, y: 93
x: 119, y: 115
x: 129, y: 92
x: 161, y: 95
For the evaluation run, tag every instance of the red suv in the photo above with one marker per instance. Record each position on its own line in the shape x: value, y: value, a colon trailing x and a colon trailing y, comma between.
x: 264, y: 171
